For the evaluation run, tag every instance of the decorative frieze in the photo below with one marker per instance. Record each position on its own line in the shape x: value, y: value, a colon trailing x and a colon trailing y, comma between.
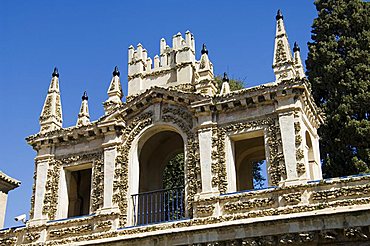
x: 31, y: 236
x: 70, y: 231
x: 292, y: 198
x: 8, y: 240
x: 76, y: 159
x: 242, y: 206
x: 205, y: 210
x: 348, y: 191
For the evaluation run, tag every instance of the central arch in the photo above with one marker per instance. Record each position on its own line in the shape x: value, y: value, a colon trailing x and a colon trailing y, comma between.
x: 154, y: 155
x: 155, y: 161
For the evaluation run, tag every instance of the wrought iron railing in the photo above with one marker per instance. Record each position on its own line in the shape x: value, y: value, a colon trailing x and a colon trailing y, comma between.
x: 159, y: 206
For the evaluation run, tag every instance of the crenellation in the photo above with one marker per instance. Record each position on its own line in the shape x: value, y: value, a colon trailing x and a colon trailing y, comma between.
x: 173, y: 66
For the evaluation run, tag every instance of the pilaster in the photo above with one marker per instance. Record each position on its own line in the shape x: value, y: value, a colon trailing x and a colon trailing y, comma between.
x: 205, y: 150
x: 110, y: 145
x: 286, y: 122
x: 42, y: 165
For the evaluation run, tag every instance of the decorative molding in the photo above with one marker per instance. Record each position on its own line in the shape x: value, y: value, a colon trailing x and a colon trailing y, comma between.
x: 205, y: 210
x: 292, y: 198
x: 31, y: 236
x: 97, y: 187
x: 181, y: 117
x: 51, y: 189
x: 346, y: 191
x: 242, y: 206
x: 80, y: 158
x: 70, y: 231
x: 120, y: 184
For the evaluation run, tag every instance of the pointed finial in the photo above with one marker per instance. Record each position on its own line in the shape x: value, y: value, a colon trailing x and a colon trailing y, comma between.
x: 296, y: 47
x: 279, y: 15
x: 116, y: 72
x: 204, y: 49
x: 84, y: 96
x: 55, y: 72
x: 225, y: 78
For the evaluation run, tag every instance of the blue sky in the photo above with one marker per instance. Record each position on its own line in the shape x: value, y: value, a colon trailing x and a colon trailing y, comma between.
x: 86, y: 39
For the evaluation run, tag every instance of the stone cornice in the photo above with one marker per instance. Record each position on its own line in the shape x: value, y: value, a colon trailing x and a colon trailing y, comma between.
x: 8, y: 183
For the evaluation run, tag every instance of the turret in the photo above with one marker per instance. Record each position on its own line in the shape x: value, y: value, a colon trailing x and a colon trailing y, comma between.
x: 283, y: 61
x: 51, y: 115
x: 298, y: 61
x: 83, y: 115
x: 173, y: 66
x: 225, y: 88
x: 205, y: 83
x: 114, y: 92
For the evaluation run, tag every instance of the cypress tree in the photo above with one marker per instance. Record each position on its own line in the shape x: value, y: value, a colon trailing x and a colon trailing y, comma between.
x: 338, y: 67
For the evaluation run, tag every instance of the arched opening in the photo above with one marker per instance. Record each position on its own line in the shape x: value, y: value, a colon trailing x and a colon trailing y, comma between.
x: 161, y: 178
x: 246, y: 157
x: 250, y: 164
x: 310, y: 156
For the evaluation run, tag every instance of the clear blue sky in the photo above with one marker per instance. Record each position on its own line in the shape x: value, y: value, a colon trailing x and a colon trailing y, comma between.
x: 86, y: 39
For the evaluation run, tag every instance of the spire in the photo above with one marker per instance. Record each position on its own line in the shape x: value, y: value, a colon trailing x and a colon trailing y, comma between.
x: 279, y: 15
x: 205, y: 84
x: 298, y: 61
x: 283, y: 60
x: 55, y: 72
x: 204, y: 49
x: 225, y: 88
x: 83, y: 115
x: 114, y: 91
x: 51, y: 115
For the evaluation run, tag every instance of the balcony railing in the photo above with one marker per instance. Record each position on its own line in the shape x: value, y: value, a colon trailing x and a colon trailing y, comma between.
x: 159, y: 206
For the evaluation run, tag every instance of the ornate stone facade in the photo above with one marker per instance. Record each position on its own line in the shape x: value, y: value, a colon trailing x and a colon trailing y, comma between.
x: 98, y: 182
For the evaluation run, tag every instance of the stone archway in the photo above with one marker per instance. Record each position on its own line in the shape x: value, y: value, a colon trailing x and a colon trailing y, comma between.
x: 154, y: 155
x: 155, y: 148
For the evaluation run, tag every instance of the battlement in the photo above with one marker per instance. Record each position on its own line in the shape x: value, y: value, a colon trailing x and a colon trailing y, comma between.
x: 174, y: 66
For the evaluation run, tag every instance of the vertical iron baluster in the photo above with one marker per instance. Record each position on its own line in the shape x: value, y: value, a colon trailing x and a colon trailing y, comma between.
x: 147, y: 209
x: 168, y: 206
x: 173, y: 204
x: 160, y: 206
x: 155, y: 207
x: 177, y: 204
x: 181, y: 202
x: 142, y: 209
x: 151, y: 207
x: 133, y: 200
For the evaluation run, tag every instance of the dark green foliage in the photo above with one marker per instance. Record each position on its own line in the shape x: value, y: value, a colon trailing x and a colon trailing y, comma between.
x: 173, y: 175
x: 338, y: 66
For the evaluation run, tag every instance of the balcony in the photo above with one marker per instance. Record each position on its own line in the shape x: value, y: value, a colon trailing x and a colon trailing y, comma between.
x: 159, y: 206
